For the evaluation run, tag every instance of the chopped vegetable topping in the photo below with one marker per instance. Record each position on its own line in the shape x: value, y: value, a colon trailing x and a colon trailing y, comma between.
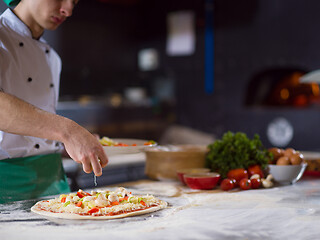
x: 115, y: 203
x: 93, y: 210
x: 105, y: 141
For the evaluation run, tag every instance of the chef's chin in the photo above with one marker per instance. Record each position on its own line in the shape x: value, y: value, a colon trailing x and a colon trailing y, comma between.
x: 52, y: 26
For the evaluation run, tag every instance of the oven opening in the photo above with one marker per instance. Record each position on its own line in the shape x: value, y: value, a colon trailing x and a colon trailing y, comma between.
x: 281, y: 87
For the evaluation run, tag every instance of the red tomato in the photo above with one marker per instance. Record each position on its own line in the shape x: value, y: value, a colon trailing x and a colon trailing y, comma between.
x: 114, y: 203
x: 121, y: 145
x: 227, y: 184
x: 255, y: 169
x: 82, y: 194
x: 235, y: 183
x: 237, y: 174
x: 123, y: 199
x: 245, y: 184
x: 93, y: 210
x: 255, y: 183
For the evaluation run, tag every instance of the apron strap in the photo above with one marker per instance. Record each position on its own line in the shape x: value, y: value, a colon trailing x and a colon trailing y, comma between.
x: 32, y: 177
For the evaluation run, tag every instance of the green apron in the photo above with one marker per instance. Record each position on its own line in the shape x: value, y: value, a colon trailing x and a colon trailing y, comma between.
x: 32, y: 177
x: 11, y: 3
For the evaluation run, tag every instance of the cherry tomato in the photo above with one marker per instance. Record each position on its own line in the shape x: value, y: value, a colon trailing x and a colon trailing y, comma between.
x: 245, y: 184
x: 235, y: 183
x: 255, y: 183
x: 237, y: 174
x: 227, y: 184
x: 255, y: 169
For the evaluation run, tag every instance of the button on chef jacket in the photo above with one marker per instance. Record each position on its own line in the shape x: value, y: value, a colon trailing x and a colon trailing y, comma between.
x: 30, y: 70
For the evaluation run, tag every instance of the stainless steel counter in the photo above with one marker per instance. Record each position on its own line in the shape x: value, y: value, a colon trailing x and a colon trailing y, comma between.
x: 282, y: 212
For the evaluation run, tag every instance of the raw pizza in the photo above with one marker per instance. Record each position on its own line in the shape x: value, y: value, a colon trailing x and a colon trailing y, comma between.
x: 98, y: 205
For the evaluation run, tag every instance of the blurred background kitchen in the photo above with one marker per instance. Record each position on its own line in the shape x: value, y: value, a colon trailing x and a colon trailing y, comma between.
x: 143, y: 68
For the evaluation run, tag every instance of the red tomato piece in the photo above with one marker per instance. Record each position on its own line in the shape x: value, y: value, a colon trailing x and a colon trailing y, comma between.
x: 255, y: 183
x: 93, y: 210
x: 122, y: 145
x: 255, y: 169
x: 82, y: 194
x: 245, y: 184
x: 63, y: 200
x: 115, y: 203
x: 123, y: 199
x: 237, y: 174
x: 227, y: 184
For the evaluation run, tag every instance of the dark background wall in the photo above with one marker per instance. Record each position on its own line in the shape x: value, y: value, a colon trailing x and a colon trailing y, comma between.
x: 100, y: 43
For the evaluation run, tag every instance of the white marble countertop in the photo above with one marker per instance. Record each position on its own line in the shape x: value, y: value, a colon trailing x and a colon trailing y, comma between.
x: 282, y: 212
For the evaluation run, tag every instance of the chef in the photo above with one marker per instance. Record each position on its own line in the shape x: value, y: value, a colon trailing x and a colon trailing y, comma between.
x: 32, y: 135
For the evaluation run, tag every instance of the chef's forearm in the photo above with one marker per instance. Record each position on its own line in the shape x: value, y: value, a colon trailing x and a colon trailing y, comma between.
x: 20, y: 117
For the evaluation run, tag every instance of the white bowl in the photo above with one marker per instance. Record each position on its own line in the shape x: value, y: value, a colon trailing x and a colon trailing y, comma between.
x: 287, y: 174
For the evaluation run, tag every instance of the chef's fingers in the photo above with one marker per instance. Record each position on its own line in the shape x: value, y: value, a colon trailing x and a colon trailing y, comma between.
x: 97, y: 169
x: 103, y: 159
x: 86, y: 165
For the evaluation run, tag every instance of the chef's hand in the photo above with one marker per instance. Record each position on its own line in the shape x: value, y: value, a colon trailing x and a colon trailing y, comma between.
x: 64, y: 153
x: 83, y: 147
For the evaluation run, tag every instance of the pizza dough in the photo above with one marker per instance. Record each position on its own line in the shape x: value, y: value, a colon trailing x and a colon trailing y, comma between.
x: 98, y: 205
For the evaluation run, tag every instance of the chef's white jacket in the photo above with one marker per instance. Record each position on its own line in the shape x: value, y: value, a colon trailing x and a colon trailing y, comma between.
x: 30, y: 70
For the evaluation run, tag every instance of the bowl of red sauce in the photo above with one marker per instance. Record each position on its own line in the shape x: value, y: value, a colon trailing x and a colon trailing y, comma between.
x: 182, y: 172
x: 203, y: 181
